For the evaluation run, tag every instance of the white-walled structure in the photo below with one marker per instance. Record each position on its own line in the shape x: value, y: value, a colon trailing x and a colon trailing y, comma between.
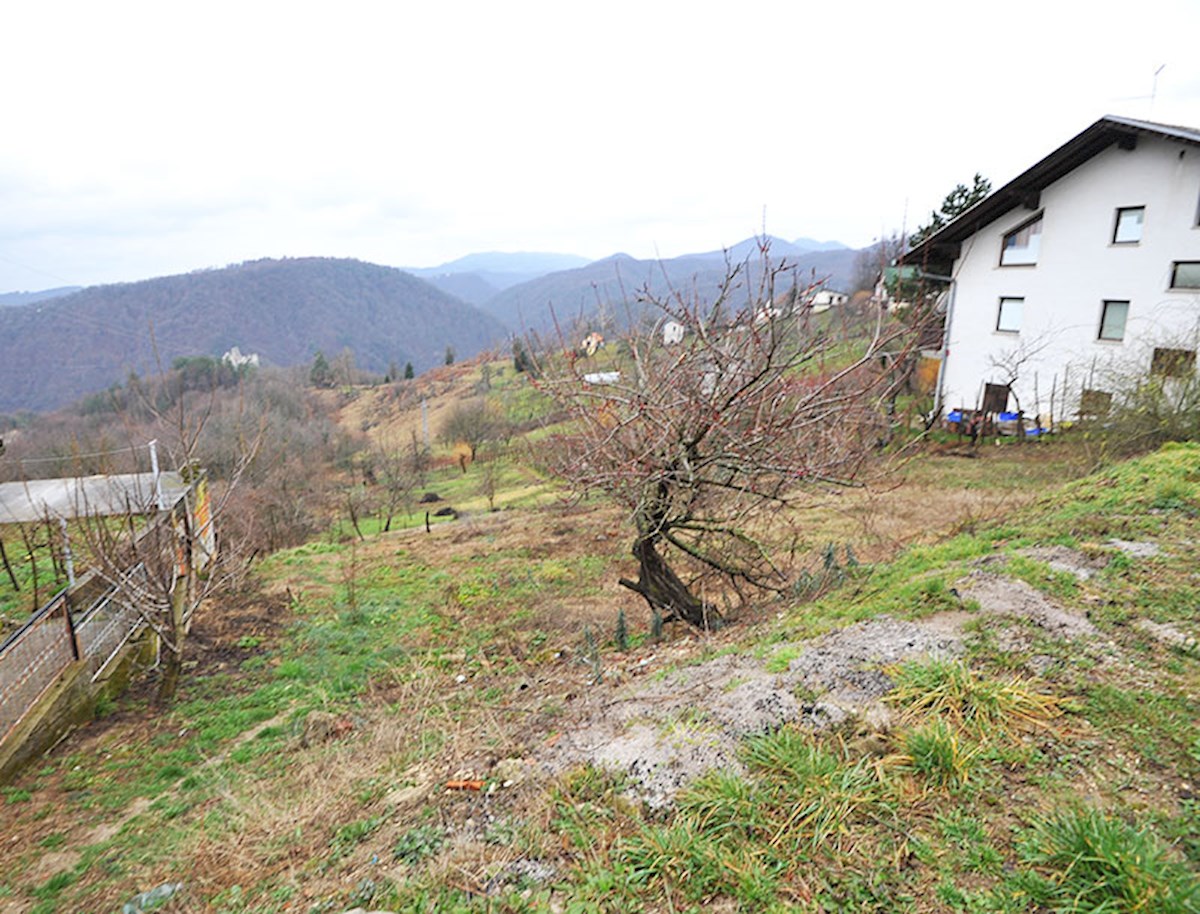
x: 824, y: 299
x: 1072, y: 275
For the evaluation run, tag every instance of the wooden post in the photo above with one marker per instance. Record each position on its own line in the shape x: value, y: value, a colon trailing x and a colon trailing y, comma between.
x: 71, y: 635
x: 8, y: 567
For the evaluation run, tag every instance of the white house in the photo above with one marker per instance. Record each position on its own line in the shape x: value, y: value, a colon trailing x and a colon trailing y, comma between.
x: 824, y: 299
x: 672, y: 333
x: 1081, y: 270
x: 235, y: 358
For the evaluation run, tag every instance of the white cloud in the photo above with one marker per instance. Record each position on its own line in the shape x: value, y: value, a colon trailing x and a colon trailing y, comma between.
x: 152, y: 138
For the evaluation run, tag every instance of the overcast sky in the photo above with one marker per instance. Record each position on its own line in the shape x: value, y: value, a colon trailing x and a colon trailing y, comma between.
x: 142, y: 139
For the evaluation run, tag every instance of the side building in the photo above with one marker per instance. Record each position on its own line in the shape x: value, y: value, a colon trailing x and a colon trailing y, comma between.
x: 1078, y: 275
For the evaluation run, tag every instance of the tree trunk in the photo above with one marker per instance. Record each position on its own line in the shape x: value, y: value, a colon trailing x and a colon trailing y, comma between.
x: 8, y: 567
x: 662, y: 588
x: 172, y: 666
x: 180, y: 622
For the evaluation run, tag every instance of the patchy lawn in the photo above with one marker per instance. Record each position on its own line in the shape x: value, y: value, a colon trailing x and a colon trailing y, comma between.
x: 992, y: 709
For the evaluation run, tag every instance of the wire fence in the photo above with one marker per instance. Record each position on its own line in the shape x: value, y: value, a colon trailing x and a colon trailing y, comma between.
x: 34, y: 656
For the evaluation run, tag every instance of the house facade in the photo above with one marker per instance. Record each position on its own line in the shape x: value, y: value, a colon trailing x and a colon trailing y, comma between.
x: 1081, y: 273
x: 824, y: 299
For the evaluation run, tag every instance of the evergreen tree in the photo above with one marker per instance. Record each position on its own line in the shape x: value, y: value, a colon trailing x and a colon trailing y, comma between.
x: 449, y: 355
x: 321, y: 375
x: 520, y: 356
x: 958, y: 201
x: 408, y: 371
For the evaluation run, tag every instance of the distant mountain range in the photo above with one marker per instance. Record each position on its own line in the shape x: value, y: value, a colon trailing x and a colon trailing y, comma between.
x: 61, y: 344
x: 615, y: 283
x: 482, y: 278
x: 477, y: 277
x: 58, y: 350
x: 29, y: 298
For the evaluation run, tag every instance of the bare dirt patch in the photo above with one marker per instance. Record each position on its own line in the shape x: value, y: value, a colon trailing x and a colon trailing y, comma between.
x: 663, y: 734
x: 1064, y: 558
x: 666, y: 733
x: 1009, y: 597
x: 1166, y: 634
x: 1134, y: 549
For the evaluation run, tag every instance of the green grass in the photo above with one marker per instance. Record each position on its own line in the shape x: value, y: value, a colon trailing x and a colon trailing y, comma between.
x: 16, y: 603
x: 1091, y: 862
x: 937, y: 753
x: 943, y: 814
x: 1159, y: 724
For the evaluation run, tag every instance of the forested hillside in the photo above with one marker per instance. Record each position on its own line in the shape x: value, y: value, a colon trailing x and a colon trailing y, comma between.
x: 614, y: 283
x: 284, y: 310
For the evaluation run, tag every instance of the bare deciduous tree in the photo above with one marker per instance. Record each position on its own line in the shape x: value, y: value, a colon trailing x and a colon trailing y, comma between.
x: 704, y: 441
x: 161, y: 559
x: 471, y: 422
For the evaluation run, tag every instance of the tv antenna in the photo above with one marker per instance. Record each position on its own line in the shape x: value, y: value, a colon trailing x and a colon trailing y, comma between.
x: 1154, y: 85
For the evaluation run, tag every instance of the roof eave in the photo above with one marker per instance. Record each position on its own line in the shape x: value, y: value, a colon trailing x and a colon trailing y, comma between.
x: 1025, y: 190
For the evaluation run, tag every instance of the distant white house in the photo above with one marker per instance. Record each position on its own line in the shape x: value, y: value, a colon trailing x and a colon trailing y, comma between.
x: 824, y: 299
x: 602, y: 377
x: 235, y: 358
x: 672, y: 333
x: 1088, y: 260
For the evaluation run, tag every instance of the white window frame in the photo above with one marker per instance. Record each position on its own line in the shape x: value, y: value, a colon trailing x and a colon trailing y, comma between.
x: 1015, y: 307
x: 1027, y: 254
x: 1137, y: 225
x: 1104, y: 313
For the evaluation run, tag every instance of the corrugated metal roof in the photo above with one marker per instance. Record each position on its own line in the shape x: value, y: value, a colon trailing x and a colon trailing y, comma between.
x: 22, y: 502
x: 941, y: 248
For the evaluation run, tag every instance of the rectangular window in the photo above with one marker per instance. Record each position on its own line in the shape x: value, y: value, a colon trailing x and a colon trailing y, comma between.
x: 1185, y: 274
x: 1173, y: 363
x: 1113, y: 315
x: 1094, y: 404
x: 1008, y: 318
x: 1128, y: 228
x: 1022, y: 243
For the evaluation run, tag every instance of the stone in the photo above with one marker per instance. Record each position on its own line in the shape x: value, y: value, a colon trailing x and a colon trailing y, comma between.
x: 511, y: 772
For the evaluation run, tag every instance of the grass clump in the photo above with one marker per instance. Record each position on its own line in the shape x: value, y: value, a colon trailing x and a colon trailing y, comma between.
x: 1093, y: 863
x: 936, y: 752
x: 700, y: 866
x: 953, y: 692
x: 809, y: 792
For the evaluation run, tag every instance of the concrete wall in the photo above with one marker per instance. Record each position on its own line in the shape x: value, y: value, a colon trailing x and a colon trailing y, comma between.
x: 1078, y: 268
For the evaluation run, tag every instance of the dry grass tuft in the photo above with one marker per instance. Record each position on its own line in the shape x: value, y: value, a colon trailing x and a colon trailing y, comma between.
x: 968, y: 700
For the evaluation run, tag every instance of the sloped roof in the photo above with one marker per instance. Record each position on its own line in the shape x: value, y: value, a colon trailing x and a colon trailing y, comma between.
x: 86, y: 496
x: 941, y: 248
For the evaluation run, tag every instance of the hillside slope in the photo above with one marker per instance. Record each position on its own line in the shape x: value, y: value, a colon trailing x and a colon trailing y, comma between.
x: 999, y: 721
x: 616, y: 281
x: 284, y: 310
